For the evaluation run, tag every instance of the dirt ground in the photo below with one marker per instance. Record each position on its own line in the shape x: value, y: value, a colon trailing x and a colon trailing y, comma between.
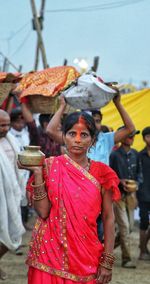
x: 17, y: 271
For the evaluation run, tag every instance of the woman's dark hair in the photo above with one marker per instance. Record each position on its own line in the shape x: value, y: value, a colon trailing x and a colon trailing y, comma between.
x: 74, y: 117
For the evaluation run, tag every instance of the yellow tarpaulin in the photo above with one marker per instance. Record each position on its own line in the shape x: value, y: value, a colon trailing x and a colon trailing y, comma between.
x: 137, y: 104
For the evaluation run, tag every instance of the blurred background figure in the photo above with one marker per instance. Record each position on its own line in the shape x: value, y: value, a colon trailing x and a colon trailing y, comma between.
x: 19, y: 127
x: 106, y: 139
x: 11, y: 184
x: 20, y: 132
x: 144, y: 196
x: 124, y: 161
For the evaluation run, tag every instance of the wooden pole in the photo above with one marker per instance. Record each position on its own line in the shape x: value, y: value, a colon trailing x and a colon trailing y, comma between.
x: 37, y: 56
x: 8, y: 61
x: 95, y: 63
x: 39, y: 34
x: 38, y: 44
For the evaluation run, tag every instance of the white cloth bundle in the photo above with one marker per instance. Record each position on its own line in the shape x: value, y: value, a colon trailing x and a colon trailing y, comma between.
x: 89, y: 93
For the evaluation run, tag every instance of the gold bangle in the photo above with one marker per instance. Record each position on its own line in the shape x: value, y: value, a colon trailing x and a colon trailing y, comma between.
x: 40, y: 196
x: 108, y: 256
x: 111, y: 255
x: 107, y: 260
x: 105, y: 265
x: 37, y: 185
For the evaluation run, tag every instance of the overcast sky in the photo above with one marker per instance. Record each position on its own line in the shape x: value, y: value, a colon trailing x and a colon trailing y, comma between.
x: 119, y: 35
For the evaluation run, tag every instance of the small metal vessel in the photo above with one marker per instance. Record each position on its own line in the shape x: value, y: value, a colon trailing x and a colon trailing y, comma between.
x: 31, y: 156
x: 131, y: 185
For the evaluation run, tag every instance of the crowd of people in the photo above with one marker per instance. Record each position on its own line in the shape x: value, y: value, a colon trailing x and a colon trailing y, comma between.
x: 81, y: 195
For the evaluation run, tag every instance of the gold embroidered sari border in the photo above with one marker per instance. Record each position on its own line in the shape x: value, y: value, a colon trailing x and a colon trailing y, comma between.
x: 60, y: 273
x: 84, y: 172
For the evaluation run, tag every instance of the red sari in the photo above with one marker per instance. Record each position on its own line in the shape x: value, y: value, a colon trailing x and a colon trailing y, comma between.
x: 65, y: 247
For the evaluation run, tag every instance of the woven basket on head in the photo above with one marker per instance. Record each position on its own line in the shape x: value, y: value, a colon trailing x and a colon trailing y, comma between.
x: 45, y: 105
x: 5, y: 89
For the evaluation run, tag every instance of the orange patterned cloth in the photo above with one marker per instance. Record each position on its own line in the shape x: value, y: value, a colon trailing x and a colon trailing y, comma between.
x: 48, y: 82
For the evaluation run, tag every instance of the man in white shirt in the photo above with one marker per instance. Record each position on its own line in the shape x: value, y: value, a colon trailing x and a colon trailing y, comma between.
x: 20, y: 132
x: 11, y: 181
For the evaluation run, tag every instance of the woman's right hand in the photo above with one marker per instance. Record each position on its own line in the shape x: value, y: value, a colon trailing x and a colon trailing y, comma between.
x: 62, y: 101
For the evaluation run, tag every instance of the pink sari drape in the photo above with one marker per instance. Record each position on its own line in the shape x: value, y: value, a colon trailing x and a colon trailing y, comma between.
x: 66, y: 245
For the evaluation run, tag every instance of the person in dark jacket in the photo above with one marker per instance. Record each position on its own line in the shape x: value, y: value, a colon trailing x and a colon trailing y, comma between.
x: 144, y: 196
x: 124, y: 161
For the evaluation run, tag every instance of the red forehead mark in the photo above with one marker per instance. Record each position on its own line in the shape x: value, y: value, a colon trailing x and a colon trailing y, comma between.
x: 79, y: 130
x: 82, y: 121
x: 81, y: 126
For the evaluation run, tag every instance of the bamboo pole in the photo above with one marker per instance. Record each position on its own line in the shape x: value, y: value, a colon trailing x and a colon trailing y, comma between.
x: 40, y: 43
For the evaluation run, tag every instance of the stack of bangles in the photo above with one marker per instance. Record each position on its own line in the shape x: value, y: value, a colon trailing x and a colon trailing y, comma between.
x: 39, y: 191
x: 107, y: 260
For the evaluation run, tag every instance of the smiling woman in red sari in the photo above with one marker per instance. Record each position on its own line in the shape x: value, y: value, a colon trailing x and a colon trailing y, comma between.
x: 68, y: 193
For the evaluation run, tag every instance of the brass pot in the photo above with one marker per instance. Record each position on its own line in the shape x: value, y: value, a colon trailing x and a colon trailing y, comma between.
x: 131, y: 185
x: 31, y: 156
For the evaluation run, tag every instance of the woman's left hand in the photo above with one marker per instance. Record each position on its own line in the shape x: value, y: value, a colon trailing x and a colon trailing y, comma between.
x: 29, y: 168
x: 117, y: 98
x: 104, y: 275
